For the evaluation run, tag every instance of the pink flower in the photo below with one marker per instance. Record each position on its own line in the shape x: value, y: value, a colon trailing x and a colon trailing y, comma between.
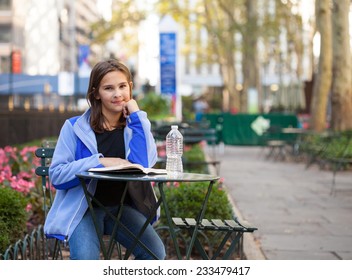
x: 202, y: 144
x: 221, y: 183
x: 3, y: 158
x: 29, y: 207
x: 187, y: 148
x: 21, y: 185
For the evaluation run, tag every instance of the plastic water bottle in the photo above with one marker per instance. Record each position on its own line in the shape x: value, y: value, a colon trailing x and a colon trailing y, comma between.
x: 174, y: 151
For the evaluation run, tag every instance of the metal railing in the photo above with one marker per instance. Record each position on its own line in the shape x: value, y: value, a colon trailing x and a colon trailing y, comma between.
x: 31, y: 247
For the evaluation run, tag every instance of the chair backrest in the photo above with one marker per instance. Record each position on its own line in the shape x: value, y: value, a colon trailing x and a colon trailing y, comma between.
x: 45, y: 155
x: 194, y: 136
x: 54, y: 250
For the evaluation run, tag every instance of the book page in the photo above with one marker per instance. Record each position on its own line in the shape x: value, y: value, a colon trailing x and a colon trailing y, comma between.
x: 129, y: 168
x: 152, y: 171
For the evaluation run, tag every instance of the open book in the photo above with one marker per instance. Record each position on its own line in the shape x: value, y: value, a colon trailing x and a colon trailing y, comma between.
x: 129, y: 168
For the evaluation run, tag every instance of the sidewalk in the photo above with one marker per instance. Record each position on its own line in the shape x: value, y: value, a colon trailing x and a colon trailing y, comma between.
x: 296, y: 216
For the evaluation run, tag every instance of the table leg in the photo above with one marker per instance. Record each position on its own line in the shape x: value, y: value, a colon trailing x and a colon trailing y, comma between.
x: 137, y: 238
x: 199, y: 220
x: 169, y: 220
x: 108, y: 252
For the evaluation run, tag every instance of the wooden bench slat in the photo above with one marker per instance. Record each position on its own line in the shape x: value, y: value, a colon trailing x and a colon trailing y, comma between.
x: 233, y: 225
x: 215, y: 224
x: 179, y: 222
x: 219, y: 223
x: 247, y: 226
x: 190, y: 221
x: 207, y: 224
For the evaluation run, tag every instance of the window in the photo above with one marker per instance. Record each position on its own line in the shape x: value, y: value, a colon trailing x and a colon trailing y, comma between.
x: 5, y: 4
x: 5, y: 33
x: 4, y: 64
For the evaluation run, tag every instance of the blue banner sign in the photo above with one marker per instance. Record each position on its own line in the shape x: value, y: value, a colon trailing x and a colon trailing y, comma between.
x: 168, y: 63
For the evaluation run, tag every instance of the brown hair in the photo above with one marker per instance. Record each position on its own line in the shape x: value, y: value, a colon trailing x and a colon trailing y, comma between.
x: 98, y: 72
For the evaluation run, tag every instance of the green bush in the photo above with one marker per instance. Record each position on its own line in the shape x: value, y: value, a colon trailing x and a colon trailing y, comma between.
x: 156, y: 105
x: 13, y: 217
x: 328, y: 145
x: 194, y: 153
x: 185, y: 201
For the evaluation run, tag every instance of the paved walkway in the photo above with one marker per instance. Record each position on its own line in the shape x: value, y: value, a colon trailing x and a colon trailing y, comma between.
x: 296, y: 216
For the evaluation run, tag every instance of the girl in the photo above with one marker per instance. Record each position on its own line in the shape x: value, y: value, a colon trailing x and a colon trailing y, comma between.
x: 112, y: 131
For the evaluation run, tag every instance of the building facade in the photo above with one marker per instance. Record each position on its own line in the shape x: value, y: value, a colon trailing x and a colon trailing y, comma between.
x: 44, y: 35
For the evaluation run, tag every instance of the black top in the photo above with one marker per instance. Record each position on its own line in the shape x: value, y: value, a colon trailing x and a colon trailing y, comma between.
x: 111, y: 144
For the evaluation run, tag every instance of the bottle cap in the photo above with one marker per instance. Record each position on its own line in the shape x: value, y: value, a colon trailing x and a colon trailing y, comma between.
x: 174, y: 127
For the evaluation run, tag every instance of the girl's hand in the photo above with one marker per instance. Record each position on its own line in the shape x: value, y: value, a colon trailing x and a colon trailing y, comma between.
x: 130, y: 107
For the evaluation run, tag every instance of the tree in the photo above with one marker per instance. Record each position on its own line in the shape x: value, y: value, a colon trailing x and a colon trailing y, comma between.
x: 322, y: 82
x: 250, y: 61
x: 125, y: 20
x: 341, y: 100
x: 220, y: 24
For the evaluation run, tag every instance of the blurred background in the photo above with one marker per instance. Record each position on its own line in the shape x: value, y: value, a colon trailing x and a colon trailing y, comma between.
x: 236, y: 56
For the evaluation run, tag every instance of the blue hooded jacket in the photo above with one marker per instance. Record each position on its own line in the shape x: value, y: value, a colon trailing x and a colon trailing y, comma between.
x: 76, y: 151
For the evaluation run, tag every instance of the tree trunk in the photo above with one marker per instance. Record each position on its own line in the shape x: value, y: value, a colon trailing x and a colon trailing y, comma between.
x: 250, y: 64
x: 229, y: 79
x: 223, y: 41
x: 341, y: 101
x: 324, y: 76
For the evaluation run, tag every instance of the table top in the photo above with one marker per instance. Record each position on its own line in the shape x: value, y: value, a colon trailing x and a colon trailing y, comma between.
x: 181, y: 177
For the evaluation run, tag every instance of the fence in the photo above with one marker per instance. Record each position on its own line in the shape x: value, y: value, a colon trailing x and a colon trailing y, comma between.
x: 235, y: 129
x: 20, y: 126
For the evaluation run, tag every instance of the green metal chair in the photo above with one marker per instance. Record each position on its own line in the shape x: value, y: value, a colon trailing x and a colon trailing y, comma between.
x: 52, y: 247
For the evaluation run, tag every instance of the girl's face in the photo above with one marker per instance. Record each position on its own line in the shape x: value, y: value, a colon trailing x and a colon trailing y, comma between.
x: 114, y: 91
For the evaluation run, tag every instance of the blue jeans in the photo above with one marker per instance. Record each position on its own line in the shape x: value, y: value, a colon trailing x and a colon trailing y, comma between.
x: 84, y: 243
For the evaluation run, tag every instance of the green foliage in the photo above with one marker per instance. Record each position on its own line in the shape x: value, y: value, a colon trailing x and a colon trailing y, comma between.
x: 194, y: 153
x: 13, y: 216
x: 125, y: 20
x: 187, y: 108
x: 17, y: 166
x: 155, y: 105
x: 185, y: 200
x: 330, y: 145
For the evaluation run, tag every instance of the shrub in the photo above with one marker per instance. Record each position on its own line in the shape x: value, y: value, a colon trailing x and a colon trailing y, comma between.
x: 185, y: 200
x: 13, y: 216
x: 193, y: 154
x: 17, y: 171
x: 157, y: 106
